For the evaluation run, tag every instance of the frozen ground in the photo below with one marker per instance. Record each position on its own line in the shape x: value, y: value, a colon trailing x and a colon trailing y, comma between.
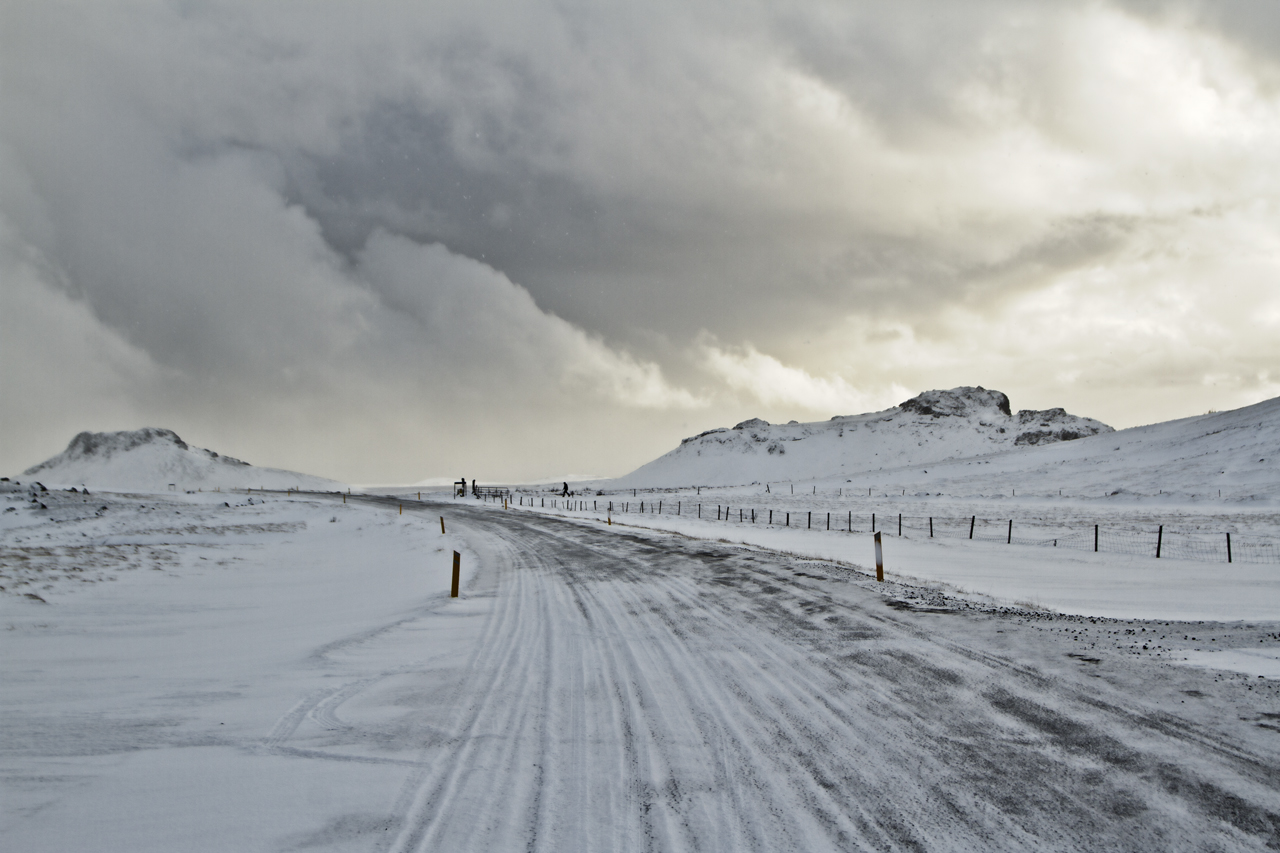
x: 261, y: 677
x: 152, y: 703
x: 1071, y: 580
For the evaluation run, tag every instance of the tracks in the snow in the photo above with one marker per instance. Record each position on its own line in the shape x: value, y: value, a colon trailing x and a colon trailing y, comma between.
x: 633, y: 692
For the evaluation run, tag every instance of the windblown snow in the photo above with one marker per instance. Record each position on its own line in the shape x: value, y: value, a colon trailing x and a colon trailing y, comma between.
x: 199, y: 671
x: 150, y: 459
x: 933, y: 426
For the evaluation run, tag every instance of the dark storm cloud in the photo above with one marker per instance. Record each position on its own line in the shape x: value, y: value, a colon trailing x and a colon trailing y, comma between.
x: 376, y: 240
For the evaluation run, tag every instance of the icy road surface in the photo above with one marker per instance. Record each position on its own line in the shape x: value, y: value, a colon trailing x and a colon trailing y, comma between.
x: 602, y: 688
x: 651, y: 693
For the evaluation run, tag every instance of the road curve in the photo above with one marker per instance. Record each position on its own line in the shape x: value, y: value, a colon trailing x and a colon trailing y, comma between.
x: 637, y: 691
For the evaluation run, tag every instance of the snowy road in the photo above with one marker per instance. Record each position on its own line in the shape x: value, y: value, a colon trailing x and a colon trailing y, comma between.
x: 646, y: 692
x: 291, y: 675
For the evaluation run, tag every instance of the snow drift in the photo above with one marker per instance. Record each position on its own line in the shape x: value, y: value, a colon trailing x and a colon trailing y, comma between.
x: 933, y: 426
x: 150, y: 459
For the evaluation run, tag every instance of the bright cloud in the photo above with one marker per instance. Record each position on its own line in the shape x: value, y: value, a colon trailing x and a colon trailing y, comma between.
x: 775, y: 384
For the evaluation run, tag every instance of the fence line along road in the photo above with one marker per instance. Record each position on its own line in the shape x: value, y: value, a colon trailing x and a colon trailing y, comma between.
x: 1159, y: 544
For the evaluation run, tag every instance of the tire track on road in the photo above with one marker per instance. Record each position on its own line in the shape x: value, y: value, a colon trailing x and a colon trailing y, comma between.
x: 645, y: 693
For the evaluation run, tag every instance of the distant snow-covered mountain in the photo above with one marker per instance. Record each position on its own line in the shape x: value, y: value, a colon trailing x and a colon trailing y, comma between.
x: 149, y: 459
x: 933, y: 426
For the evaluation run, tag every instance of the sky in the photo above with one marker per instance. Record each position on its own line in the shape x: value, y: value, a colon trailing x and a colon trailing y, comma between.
x: 385, y: 242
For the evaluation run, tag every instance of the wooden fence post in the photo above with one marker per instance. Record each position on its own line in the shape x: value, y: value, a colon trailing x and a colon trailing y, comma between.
x: 1159, y: 540
x: 1009, y: 541
x: 972, y: 522
x: 1228, y: 547
x: 1095, y: 539
x: 879, y: 559
x: 931, y: 527
x: 899, y: 524
x: 442, y: 524
x: 457, y: 572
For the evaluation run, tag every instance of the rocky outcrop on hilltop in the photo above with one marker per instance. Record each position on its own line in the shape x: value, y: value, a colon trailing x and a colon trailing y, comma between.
x: 958, y: 402
x: 1030, y: 426
x: 152, y: 458
x: 1050, y: 425
x: 88, y: 446
x: 935, y: 425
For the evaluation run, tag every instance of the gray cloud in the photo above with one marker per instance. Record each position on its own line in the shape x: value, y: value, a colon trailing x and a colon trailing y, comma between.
x: 378, y: 241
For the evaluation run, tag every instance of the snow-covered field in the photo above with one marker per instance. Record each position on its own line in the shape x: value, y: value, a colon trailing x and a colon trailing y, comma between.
x: 211, y: 668
x: 1067, y: 580
x: 159, y: 700
x: 204, y: 673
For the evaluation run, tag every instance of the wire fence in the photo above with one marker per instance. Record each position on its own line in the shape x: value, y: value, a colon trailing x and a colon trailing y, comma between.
x: 1158, y: 544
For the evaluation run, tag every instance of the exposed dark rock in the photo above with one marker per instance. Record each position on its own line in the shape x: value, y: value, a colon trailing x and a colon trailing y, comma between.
x: 753, y: 423
x: 957, y: 401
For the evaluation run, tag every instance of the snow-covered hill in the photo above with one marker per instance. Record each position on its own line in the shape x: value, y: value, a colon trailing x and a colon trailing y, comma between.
x: 1237, y: 452
x: 150, y: 459
x: 936, y: 425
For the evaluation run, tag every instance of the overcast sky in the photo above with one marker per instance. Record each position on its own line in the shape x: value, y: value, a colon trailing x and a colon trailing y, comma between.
x: 388, y: 241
